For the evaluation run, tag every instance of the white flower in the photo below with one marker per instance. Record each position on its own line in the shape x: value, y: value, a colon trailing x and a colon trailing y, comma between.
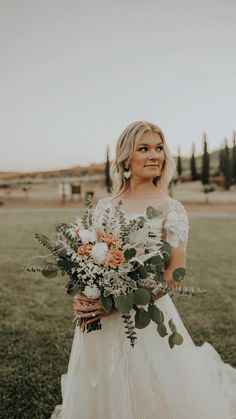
x: 99, y: 252
x: 87, y: 236
x: 92, y: 292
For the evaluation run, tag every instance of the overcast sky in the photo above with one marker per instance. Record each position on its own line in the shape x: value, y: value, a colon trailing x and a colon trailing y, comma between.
x: 75, y: 73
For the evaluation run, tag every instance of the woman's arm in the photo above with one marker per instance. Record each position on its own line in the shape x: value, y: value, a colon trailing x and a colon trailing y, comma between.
x: 177, y: 260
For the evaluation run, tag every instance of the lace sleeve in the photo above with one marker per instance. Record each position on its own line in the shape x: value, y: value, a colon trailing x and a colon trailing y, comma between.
x: 177, y: 225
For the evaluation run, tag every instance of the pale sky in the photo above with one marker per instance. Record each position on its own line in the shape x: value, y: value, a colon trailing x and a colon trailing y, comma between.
x: 74, y: 74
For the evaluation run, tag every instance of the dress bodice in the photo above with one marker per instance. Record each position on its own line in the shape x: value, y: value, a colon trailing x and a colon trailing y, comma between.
x: 175, y: 217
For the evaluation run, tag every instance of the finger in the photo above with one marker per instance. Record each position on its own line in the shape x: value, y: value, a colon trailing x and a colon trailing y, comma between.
x: 89, y: 315
x: 95, y: 319
x: 87, y: 308
x: 83, y: 308
x: 84, y: 298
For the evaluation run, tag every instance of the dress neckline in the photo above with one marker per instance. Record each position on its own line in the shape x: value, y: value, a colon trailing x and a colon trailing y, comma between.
x: 130, y: 213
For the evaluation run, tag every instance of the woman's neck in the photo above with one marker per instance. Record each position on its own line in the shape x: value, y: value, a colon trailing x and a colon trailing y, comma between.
x: 137, y: 190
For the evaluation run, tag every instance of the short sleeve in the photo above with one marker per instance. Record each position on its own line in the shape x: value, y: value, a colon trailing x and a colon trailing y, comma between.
x: 177, y: 224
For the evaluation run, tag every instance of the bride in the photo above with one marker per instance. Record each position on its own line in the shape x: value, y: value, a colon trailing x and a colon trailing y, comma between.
x: 106, y: 378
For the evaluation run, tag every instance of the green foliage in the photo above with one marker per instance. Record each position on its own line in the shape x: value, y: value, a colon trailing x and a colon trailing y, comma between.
x: 155, y: 265
x: 106, y: 303
x: 152, y: 212
x: 161, y: 329
x: 233, y: 160
x: 108, y: 182
x: 44, y: 241
x: 141, y: 296
x: 155, y: 313
x: 129, y: 253
x: 124, y: 303
x: 205, y: 162
x: 179, y: 165
x: 175, y: 338
x: 49, y: 272
x: 179, y: 274
x: 227, y: 168
x: 193, y: 167
x: 142, y: 318
x: 166, y: 251
x: 129, y: 328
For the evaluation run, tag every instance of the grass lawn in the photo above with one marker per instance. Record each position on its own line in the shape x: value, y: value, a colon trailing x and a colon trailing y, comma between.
x: 36, y: 314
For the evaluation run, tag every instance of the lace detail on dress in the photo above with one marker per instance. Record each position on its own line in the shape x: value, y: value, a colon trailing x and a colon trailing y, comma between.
x: 177, y: 225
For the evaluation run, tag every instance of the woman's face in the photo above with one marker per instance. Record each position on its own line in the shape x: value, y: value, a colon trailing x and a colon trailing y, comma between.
x: 148, y: 158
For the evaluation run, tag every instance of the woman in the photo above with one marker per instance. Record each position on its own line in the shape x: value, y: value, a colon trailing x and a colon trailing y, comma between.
x: 107, y: 379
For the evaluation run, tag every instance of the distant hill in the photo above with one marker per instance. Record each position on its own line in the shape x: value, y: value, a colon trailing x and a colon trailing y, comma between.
x: 98, y: 169
x: 92, y: 169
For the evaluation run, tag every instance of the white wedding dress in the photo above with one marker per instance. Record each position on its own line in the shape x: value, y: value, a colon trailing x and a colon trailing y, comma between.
x: 107, y: 379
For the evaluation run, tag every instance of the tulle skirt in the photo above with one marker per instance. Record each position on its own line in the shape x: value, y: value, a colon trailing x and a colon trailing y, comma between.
x: 107, y: 379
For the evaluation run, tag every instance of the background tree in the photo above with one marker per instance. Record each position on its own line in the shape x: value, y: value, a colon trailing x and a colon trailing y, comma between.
x: 179, y: 163
x: 205, y: 162
x: 108, y: 182
x: 234, y: 158
x: 193, y: 168
x: 222, y: 160
x: 227, y: 167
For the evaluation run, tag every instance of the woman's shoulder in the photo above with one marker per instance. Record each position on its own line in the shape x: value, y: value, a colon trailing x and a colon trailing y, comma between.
x: 176, y: 206
x: 177, y: 223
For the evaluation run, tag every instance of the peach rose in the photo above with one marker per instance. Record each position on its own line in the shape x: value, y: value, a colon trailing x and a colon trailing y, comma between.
x: 84, y: 250
x: 115, y: 258
x: 109, y: 239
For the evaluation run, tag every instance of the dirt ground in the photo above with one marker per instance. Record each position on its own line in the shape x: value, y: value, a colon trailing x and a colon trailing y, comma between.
x: 48, y: 196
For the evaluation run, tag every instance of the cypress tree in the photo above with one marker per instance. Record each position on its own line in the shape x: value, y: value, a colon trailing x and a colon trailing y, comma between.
x: 194, y: 174
x: 222, y: 160
x: 234, y: 158
x: 227, y: 167
x: 179, y: 163
x: 108, y: 182
x: 205, y: 161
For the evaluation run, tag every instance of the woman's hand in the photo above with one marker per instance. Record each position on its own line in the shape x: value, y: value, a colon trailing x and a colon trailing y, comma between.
x: 88, y: 308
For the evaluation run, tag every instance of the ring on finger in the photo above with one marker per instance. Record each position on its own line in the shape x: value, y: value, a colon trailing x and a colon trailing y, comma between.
x: 93, y: 314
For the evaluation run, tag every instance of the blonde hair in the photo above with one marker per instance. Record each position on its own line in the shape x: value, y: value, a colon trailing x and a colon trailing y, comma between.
x: 125, y: 148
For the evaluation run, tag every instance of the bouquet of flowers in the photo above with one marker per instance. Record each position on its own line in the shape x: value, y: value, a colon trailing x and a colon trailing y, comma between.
x: 121, y: 262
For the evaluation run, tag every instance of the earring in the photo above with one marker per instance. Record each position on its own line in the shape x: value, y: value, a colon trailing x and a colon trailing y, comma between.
x: 127, y: 173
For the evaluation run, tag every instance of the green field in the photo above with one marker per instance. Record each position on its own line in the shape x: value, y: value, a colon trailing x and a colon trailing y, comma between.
x: 37, y: 328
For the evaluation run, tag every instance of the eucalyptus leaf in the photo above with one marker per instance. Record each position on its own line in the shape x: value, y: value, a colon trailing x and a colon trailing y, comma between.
x: 142, y: 318
x: 106, y: 303
x: 178, y: 338
x: 65, y: 264
x: 166, y: 250
x: 152, y: 212
x: 142, y: 271
x: 49, y: 273
x: 130, y: 253
x: 179, y: 274
x: 62, y: 253
x: 155, y: 313
x: 141, y: 296
x: 172, y: 326
x: 175, y: 339
x: 162, y: 330
x: 72, y: 288
x: 124, y: 303
x: 171, y: 341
